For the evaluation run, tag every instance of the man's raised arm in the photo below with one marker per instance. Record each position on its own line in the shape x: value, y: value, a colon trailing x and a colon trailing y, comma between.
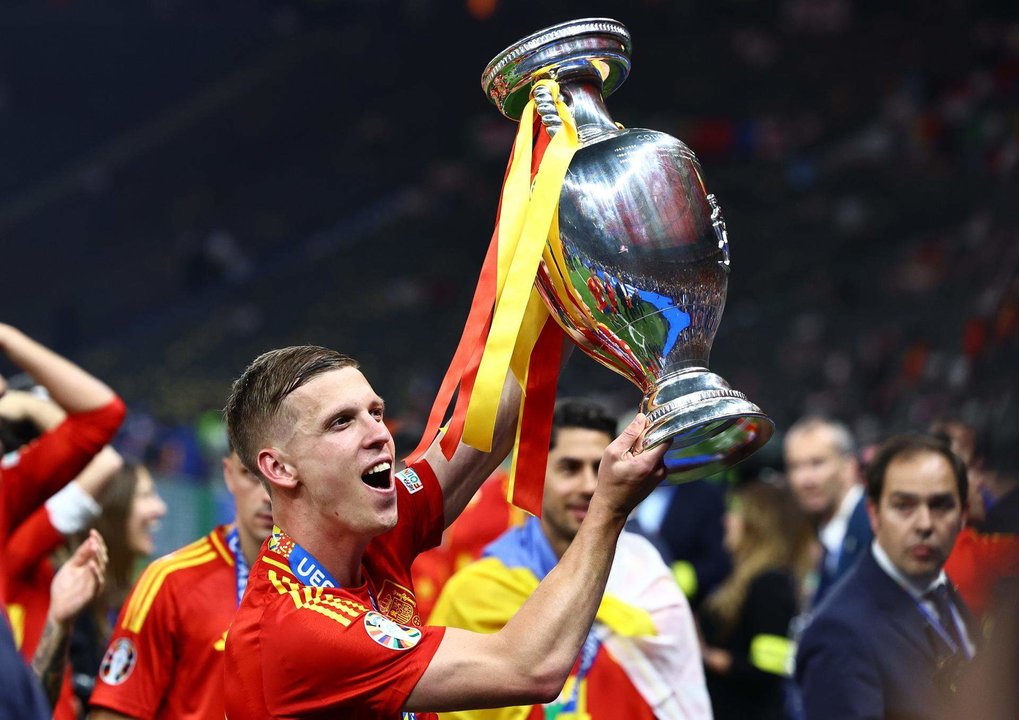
x: 529, y: 659
x: 462, y: 475
x: 71, y: 388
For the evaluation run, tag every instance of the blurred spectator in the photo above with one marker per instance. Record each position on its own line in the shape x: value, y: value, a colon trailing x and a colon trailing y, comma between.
x: 131, y: 510
x: 38, y: 470
x: 33, y: 473
x: 823, y: 472
x: 693, y: 532
x: 22, y: 697
x: 987, y: 550
x: 893, y: 638
x: 165, y: 657
x: 28, y: 571
x: 487, y: 516
x: 640, y: 660
x: 74, y: 586
x: 746, y: 621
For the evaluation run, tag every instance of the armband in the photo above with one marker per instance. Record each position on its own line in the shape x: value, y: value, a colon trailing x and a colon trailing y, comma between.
x: 72, y: 509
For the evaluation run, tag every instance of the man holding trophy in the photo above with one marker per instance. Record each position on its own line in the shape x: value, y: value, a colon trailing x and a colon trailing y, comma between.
x: 329, y: 625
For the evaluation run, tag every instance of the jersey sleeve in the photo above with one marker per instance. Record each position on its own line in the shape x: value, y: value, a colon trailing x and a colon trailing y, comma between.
x: 136, y: 669
x: 30, y: 544
x: 419, y: 507
x: 47, y: 464
x: 327, y: 659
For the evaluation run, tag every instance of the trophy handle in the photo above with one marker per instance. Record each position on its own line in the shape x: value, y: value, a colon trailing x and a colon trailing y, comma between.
x: 544, y: 103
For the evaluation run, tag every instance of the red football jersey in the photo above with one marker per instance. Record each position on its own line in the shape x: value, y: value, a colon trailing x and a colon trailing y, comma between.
x: 300, y: 651
x: 165, y: 657
x: 28, y: 573
x: 45, y: 465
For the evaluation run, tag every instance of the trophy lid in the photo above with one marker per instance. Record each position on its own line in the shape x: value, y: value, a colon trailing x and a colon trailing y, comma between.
x: 599, y: 43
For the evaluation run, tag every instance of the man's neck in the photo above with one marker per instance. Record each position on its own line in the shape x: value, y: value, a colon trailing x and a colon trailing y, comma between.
x: 917, y: 586
x: 836, y: 508
x: 340, y: 556
x: 250, y: 545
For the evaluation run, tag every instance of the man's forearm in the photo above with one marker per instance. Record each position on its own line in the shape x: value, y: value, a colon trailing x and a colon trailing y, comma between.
x: 50, y: 659
x: 566, y: 600
x: 529, y: 659
x: 71, y: 388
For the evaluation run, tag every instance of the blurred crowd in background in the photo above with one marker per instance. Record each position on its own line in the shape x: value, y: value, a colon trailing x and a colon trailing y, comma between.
x: 185, y: 185
x: 195, y: 185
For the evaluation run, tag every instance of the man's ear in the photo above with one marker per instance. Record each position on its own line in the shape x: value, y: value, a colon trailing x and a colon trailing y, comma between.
x: 275, y: 469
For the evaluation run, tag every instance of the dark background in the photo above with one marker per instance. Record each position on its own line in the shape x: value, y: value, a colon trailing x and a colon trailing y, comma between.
x: 185, y: 184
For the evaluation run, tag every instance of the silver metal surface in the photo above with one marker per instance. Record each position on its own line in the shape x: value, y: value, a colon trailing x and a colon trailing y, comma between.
x: 638, y: 270
x: 594, y: 43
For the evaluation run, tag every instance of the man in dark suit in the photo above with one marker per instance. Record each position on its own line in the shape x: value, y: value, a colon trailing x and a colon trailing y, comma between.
x: 820, y: 460
x: 892, y: 638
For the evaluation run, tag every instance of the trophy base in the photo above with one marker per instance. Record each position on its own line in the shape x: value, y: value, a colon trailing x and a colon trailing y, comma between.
x: 712, y: 426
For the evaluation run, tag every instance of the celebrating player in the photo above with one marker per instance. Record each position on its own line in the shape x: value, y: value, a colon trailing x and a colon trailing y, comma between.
x: 329, y: 626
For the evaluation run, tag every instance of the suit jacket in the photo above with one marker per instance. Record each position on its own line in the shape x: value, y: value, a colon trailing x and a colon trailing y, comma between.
x: 869, y: 653
x: 856, y: 543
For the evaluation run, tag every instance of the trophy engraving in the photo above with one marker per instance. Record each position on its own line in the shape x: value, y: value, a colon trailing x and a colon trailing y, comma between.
x: 636, y: 265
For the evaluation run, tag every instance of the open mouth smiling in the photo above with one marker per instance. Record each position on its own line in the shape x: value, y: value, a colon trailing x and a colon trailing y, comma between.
x: 378, y: 476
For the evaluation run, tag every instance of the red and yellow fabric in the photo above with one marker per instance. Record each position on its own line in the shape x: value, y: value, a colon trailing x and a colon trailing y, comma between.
x: 648, y: 664
x: 42, y: 467
x: 28, y: 573
x: 978, y: 562
x: 165, y: 657
x: 508, y: 328
x: 487, y: 516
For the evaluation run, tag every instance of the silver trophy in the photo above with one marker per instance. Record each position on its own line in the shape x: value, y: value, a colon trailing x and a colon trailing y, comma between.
x: 637, y: 264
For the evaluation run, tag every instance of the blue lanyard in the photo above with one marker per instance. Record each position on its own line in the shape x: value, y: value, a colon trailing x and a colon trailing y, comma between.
x: 233, y: 541
x: 311, y: 572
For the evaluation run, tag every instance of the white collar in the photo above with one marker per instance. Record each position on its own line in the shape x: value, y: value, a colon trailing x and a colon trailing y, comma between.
x: 916, y: 592
x: 833, y: 532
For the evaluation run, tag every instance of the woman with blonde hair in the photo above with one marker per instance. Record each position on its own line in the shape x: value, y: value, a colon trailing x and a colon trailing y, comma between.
x: 745, y: 622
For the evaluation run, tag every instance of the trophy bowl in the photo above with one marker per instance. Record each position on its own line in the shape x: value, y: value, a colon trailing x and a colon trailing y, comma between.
x: 636, y: 265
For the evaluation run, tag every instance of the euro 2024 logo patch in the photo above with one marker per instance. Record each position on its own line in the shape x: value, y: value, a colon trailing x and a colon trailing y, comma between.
x: 411, y: 480
x: 389, y: 634
x: 118, y: 662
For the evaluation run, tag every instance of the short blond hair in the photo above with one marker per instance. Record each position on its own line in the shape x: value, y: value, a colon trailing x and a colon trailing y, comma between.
x: 255, y: 406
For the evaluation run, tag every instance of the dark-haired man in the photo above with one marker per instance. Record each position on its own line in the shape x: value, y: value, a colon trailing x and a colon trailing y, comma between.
x: 642, y: 659
x: 893, y: 637
x: 329, y: 626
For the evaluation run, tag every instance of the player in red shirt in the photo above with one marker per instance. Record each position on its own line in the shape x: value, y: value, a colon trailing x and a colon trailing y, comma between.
x: 165, y: 658
x: 94, y: 414
x: 329, y: 626
x: 28, y: 571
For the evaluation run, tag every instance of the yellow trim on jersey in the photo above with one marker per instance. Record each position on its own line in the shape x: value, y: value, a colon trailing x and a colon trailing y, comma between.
x: 276, y: 563
x: 288, y: 590
x: 144, y: 582
x: 312, y: 598
x: 16, y: 616
x: 151, y: 581
x: 218, y: 544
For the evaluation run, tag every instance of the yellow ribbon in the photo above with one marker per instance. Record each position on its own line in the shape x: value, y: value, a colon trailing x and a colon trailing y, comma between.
x: 523, y: 230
